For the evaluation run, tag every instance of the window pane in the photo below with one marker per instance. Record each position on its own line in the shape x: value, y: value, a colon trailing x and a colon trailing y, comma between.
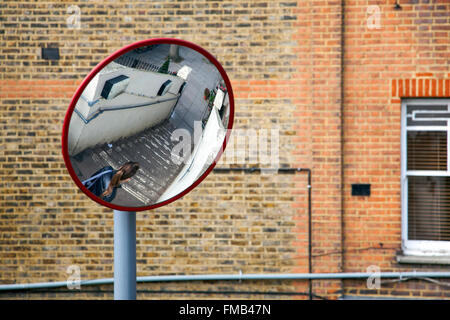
x: 429, y: 208
x: 427, y: 150
x: 411, y: 122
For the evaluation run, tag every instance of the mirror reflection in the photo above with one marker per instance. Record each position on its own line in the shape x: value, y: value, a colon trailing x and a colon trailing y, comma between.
x: 148, y: 125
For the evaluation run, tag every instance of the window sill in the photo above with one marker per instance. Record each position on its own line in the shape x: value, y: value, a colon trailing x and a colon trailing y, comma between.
x: 408, y: 259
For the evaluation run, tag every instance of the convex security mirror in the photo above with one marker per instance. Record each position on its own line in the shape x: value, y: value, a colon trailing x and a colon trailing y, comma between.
x: 148, y: 124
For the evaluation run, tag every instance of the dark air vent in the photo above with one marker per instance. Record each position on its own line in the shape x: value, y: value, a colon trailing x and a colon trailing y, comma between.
x: 360, y: 189
x: 50, y: 53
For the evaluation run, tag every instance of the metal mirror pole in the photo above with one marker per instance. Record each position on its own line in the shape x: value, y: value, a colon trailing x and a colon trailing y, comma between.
x: 124, y: 255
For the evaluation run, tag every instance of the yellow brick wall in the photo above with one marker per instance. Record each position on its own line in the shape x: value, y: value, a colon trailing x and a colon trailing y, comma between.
x: 230, y: 223
x: 284, y: 60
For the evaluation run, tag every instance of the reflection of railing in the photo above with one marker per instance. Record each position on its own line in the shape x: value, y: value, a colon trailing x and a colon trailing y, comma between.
x: 139, y: 64
x: 101, y: 110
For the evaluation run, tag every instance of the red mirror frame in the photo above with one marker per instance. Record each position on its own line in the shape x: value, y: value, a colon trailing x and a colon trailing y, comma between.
x: 97, y: 69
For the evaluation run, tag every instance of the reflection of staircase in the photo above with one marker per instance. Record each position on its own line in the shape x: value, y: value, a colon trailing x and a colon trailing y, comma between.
x: 151, y: 148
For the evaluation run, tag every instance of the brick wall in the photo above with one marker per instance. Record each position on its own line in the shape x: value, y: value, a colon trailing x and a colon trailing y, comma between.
x: 285, y: 62
x: 406, y: 57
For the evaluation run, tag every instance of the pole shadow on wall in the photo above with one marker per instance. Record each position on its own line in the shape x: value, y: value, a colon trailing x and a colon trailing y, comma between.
x: 144, y: 128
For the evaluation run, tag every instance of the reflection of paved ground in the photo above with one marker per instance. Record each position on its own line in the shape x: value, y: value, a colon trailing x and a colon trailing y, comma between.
x: 151, y: 148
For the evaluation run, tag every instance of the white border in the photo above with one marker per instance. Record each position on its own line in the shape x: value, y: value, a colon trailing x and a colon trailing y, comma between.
x: 420, y: 247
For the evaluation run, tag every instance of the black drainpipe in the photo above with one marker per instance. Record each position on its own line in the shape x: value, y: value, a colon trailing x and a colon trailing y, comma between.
x: 342, y: 140
x: 291, y: 171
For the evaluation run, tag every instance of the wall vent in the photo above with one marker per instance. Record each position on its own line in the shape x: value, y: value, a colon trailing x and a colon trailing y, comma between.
x: 50, y: 53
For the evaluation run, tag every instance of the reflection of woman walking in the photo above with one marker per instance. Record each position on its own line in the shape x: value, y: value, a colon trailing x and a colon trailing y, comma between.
x: 104, y: 182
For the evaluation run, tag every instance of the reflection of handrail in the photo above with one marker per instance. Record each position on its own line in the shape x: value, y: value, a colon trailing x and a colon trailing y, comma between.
x: 90, y: 103
x: 101, y: 110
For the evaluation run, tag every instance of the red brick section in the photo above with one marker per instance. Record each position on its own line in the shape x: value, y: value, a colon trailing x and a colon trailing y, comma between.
x: 415, y: 88
x: 406, y: 57
x: 319, y: 138
x: 38, y: 88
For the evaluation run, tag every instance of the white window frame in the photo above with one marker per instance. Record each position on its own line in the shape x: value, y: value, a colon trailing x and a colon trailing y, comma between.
x: 420, y: 247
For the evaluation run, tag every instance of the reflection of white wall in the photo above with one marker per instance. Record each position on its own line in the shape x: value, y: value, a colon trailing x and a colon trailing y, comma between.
x: 110, y: 126
x: 204, y: 153
x: 142, y: 83
x: 184, y: 72
x: 113, y: 125
x: 218, y: 100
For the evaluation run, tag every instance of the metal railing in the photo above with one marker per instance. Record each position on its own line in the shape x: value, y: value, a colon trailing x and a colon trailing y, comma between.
x: 139, y: 64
